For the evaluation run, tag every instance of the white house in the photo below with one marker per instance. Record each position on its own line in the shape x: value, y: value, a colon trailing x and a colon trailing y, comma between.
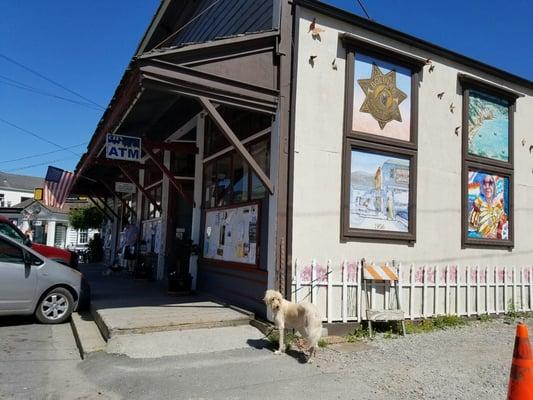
x: 15, y: 189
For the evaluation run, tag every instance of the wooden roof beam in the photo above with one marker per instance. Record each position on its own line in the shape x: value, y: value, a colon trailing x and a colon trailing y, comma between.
x: 234, y: 140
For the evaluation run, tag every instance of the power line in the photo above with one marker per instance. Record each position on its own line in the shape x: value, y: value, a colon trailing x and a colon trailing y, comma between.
x: 23, y: 86
x: 50, y: 80
x: 39, y: 165
x: 37, y: 136
x: 41, y: 154
x: 364, y: 9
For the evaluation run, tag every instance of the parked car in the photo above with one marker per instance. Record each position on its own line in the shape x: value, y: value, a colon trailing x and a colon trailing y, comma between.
x: 66, y: 257
x: 33, y: 284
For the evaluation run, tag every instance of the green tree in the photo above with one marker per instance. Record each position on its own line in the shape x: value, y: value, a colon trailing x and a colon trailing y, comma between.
x: 85, y: 218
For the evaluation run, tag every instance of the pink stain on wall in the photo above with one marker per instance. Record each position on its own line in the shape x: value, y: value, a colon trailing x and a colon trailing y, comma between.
x: 321, y: 273
x: 419, y: 275
x: 351, y: 271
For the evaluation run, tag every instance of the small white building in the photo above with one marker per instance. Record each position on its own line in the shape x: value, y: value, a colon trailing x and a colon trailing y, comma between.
x: 15, y: 189
x: 50, y: 225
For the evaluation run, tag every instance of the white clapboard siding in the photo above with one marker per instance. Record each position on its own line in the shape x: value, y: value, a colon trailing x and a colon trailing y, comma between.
x: 425, y: 290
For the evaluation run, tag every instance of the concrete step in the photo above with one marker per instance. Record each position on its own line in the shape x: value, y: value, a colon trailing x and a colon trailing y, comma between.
x: 86, y: 332
x: 189, y: 341
x: 146, y: 319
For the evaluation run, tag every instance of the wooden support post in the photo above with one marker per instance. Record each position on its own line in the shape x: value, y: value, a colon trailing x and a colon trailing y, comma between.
x: 141, y: 189
x: 234, y: 140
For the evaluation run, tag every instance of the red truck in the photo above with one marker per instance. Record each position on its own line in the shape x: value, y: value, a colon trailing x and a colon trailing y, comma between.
x: 66, y: 257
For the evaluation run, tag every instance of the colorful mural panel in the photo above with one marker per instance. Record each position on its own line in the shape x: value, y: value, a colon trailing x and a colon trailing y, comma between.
x: 379, y: 195
x: 488, y: 206
x: 488, y: 126
x: 382, y: 98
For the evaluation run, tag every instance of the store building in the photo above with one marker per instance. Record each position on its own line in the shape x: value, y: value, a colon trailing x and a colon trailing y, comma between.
x: 276, y: 134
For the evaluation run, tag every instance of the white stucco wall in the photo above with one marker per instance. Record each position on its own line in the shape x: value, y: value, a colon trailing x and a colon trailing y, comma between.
x: 319, y: 113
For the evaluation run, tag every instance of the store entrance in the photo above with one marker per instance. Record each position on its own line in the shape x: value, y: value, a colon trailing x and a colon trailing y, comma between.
x: 179, y: 242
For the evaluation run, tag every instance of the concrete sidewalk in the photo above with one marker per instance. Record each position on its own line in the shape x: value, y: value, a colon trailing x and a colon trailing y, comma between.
x: 139, y: 319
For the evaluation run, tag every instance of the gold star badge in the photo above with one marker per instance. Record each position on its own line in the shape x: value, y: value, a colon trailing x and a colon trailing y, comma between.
x: 382, y: 96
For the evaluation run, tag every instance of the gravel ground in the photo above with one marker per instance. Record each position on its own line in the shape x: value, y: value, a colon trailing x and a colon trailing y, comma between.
x: 468, y: 362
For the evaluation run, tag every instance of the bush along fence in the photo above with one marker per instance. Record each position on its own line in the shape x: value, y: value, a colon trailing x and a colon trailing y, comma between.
x: 425, y: 291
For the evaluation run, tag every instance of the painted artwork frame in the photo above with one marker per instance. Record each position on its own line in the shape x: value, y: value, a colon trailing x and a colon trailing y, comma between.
x: 487, y: 207
x: 379, y: 193
x: 483, y: 146
x: 357, y: 81
x: 485, y: 163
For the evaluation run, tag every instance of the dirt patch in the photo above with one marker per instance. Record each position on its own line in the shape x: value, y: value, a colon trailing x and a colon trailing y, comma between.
x: 468, y: 362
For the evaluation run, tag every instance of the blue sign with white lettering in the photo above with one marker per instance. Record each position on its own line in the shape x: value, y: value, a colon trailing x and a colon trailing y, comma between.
x: 120, y: 147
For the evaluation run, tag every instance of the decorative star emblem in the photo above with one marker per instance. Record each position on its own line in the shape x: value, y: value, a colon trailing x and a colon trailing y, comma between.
x: 382, y: 97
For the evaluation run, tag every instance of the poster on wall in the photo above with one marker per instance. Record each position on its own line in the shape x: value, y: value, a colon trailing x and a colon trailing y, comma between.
x: 381, y: 98
x: 151, y: 236
x: 379, y: 195
x: 231, y: 234
x: 488, y: 126
x: 488, y: 206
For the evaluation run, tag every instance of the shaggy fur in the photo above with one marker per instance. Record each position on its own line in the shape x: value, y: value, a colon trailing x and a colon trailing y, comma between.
x: 303, y: 317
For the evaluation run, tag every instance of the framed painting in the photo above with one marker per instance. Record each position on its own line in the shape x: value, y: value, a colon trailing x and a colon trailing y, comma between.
x: 379, y: 193
x: 488, y: 126
x: 487, y: 205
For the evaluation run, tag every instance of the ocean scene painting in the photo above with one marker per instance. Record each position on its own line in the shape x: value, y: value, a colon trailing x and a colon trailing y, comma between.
x: 379, y: 192
x: 387, y: 97
x: 488, y: 126
x: 488, y: 206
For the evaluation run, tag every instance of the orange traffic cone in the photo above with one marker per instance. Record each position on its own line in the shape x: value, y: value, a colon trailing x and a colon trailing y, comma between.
x: 521, y: 379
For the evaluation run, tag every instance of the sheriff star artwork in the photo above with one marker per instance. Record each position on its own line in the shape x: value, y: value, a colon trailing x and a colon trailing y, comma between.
x: 382, y: 98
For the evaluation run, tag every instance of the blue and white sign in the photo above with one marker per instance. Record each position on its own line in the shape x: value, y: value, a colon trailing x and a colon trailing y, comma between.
x: 120, y: 147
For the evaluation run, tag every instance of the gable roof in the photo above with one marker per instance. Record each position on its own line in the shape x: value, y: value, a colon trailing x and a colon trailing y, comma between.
x: 66, y: 207
x: 23, y: 183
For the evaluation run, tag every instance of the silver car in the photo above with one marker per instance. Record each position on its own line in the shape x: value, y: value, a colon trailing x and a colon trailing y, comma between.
x: 33, y: 284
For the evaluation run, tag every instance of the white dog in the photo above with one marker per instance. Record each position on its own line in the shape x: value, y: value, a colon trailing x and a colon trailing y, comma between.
x: 303, y: 317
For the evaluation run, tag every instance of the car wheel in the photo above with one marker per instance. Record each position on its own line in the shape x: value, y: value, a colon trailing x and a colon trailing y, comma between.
x: 55, y: 307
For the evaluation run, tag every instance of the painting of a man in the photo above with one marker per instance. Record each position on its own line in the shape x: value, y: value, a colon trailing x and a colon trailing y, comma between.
x: 488, y: 216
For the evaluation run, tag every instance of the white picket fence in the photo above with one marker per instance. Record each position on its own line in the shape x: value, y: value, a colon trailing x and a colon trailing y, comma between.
x: 425, y: 291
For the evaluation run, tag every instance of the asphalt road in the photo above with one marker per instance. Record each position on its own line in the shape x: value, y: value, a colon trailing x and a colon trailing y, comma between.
x: 472, y: 362
x: 39, y: 361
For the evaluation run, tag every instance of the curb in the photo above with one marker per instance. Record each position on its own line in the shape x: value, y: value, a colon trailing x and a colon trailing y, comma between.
x: 86, y: 334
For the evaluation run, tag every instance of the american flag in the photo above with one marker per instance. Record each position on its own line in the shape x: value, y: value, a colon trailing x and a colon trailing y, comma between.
x: 57, y: 185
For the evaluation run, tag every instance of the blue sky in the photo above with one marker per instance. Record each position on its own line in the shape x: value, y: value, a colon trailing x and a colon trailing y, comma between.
x: 86, y: 45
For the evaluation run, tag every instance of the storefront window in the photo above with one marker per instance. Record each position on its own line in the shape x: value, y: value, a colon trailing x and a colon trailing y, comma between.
x: 223, y: 181
x: 240, y: 179
x: 228, y: 180
x: 149, y: 210
x: 260, y: 152
x: 209, y: 185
